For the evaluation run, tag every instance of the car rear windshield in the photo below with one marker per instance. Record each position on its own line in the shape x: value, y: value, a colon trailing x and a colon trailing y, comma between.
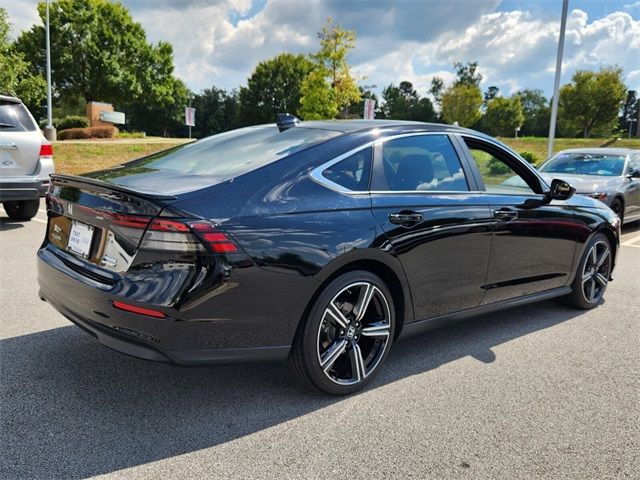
x: 236, y: 152
x: 15, y: 117
x: 585, y: 164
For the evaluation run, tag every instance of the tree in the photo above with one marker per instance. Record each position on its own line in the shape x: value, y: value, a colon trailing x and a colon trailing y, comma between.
x: 491, y: 93
x: 436, y: 89
x: 101, y: 54
x: 466, y: 74
x: 630, y: 111
x: 16, y: 77
x: 273, y: 87
x: 461, y: 103
x: 357, y: 109
x: 330, y: 73
x: 535, y: 107
x: 503, y: 116
x: 318, y: 98
x: 404, y: 103
x: 592, y: 101
x: 216, y: 111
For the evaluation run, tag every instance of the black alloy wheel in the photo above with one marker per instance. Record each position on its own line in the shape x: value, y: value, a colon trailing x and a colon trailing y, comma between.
x: 347, y: 335
x: 593, y: 274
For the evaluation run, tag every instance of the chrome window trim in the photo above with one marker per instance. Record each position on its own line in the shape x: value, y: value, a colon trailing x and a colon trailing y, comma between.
x: 316, y: 173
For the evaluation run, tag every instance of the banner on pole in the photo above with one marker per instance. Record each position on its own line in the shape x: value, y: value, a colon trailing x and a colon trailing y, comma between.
x: 369, y: 109
x: 190, y: 116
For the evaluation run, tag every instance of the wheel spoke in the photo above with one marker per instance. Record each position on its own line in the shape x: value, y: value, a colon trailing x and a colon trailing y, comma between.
x: 357, y: 363
x: 593, y: 255
x: 380, y: 331
x: 360, y: 308
x: 586, y: 277
x: 601, y: 279
x: 603, y: 257
x: 330, y: 357
x: 592, y: 291
x: 338, y: 317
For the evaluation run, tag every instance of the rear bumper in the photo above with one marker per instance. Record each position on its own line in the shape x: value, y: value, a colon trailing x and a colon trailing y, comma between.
x: 116, y: 339
x: 177, y: 339
x: 18, y: 191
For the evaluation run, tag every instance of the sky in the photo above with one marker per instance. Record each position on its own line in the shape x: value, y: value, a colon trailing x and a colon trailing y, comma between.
x: 219, y: 42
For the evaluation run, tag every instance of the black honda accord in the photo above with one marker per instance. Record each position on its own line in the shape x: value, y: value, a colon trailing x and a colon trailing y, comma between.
x: 317, y: 242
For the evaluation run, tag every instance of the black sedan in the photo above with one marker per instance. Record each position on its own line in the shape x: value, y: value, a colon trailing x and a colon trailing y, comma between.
x: 612, y: 175
x: 317, y: 242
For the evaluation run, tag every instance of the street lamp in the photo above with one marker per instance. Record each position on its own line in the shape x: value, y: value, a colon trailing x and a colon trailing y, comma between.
x: 556, y: 83
x: 49, y: 130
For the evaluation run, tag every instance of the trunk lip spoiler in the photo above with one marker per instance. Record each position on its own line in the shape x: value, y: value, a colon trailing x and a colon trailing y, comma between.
x: 76, y: 179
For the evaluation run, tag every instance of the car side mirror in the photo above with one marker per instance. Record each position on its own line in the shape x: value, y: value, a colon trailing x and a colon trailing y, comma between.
x: 560, y: 190
x: 634, y: 173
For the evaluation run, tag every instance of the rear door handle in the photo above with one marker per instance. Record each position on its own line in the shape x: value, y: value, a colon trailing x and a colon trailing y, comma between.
x: 406, y: 218
x: 505, y: 214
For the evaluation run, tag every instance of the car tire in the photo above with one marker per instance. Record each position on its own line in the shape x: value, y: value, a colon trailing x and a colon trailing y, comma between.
x: 618, y: 209
x: 339, y: 348
x: 592, y: 275
x: 21, y: 210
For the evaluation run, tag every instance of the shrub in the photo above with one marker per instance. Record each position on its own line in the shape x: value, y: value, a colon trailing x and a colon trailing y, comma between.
x: 91, y: 132
x: 496, y: 167
x: 72, y: 121
x: 529, y: 157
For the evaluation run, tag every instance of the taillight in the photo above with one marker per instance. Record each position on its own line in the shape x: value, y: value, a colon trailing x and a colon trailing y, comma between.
x: 46, y: 150
x: 163, y: 234
x: 216, y: 240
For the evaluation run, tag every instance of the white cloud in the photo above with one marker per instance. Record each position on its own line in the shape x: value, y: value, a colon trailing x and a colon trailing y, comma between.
x: 219, y: 42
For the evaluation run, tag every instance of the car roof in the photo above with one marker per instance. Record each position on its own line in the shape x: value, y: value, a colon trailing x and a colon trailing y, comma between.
x: 351, y: 126
x: 8, y: 99
x: 601, y: 150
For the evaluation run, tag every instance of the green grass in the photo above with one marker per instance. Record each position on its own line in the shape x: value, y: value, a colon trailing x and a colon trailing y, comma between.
x: 538, y: 145
x: 78, y: 158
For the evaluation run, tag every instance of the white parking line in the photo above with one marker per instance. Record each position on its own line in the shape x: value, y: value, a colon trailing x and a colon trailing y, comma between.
x: 36, y: 219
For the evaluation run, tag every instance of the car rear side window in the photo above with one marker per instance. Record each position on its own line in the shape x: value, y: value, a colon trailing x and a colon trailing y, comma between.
x: 423, y: 163
x: 234, y: 153
x: 15, y: 117
x: 351, y: 173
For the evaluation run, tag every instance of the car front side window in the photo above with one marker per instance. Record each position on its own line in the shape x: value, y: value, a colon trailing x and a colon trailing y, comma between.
x: 499, y: 173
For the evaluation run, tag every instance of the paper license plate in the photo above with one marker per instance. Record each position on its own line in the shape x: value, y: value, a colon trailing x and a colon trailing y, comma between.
x: 80, y: 239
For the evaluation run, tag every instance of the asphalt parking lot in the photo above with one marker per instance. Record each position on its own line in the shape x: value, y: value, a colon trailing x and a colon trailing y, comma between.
x: 540, y: 391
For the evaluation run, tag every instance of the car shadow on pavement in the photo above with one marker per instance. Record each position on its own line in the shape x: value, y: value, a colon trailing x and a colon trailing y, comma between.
x: 7, y: 224
x: 71, y: 408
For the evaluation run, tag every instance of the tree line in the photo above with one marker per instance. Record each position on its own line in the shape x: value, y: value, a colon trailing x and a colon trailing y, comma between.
x: 101, y: 54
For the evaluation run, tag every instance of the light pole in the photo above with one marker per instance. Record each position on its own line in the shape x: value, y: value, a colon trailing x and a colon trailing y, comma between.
x: 556, y: 82
x: 49, y: 130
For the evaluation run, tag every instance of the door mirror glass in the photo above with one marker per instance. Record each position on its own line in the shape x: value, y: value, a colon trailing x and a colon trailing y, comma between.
x: 560, y: 190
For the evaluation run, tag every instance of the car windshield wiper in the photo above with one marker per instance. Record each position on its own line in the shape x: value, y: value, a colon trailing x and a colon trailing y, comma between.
x: 6, y: 125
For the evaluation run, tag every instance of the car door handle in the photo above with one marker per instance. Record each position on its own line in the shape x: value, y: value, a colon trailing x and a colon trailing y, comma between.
x: 406, y: 218
x: 505, y: 214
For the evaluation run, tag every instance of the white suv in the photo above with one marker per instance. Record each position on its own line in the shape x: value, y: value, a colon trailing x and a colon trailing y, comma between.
x: 26, y: 160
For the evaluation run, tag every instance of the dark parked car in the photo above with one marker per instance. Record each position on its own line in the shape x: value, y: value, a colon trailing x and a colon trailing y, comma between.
x: 612, y: 175
x: 321, y: 243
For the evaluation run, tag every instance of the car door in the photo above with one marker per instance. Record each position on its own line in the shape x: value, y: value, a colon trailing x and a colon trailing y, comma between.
x: 534, y: 241
x: 435, y: 221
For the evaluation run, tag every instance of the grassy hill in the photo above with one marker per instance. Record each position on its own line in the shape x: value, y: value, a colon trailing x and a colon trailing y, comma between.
x: 538, y: 145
